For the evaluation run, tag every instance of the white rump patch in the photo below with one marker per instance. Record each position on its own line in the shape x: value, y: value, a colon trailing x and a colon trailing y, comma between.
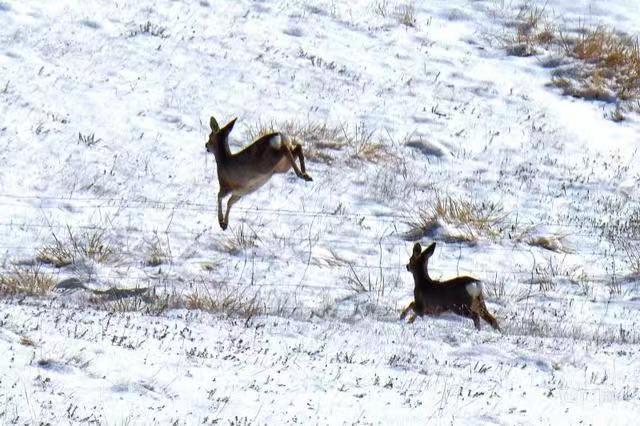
x: 474, y: 289
x: 275, y: 141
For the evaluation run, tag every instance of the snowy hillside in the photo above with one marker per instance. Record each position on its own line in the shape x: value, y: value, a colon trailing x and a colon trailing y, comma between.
x: 417, y: 125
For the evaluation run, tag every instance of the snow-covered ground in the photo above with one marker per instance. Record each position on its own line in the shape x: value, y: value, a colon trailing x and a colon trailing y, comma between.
x: 104, y: 112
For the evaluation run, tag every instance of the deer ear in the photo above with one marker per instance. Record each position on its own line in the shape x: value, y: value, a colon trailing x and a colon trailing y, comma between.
x: 417, y: 249
x: 214, y: 125
x: 429, y: 250
x: 230, y: 125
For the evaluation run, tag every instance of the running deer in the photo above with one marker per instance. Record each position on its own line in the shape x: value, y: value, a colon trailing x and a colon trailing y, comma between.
x: 245, y: 171
x: 461, y: 295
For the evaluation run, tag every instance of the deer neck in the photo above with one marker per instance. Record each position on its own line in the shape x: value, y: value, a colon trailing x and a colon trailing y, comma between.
x: 222, y: 151
x: 422, y: 279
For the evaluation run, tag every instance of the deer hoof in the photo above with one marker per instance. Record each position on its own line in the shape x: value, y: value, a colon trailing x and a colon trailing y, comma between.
x: 223, y: 225
x: 307, y: 177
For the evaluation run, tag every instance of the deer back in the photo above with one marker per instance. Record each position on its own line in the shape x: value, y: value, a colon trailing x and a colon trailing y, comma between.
x: 455, y: 292
x: 253, y: 165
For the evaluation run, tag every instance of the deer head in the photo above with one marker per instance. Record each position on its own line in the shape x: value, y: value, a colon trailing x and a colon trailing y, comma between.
x: 218, y: 143
x: 419, y: 261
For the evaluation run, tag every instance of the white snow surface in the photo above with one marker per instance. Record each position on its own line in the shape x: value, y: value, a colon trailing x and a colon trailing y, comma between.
x: 325, y: 260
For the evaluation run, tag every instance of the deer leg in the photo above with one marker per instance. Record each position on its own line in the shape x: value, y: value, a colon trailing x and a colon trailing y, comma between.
x: 409, y: 307
x: 300, y: 173
x: 476, y: 320
x: 297, y: 151
x: 232, y: 200
x: 484, y: 313
x: 220, y: 217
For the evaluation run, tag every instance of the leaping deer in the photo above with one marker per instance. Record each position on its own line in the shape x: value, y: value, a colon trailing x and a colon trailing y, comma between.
x: 461, y: 295
x: 245, y: 171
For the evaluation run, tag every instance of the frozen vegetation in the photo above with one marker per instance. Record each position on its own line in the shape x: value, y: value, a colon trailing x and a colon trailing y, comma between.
x: 462, y: 122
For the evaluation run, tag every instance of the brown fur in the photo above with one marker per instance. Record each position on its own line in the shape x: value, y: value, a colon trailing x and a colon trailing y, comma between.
x: 245, y: 171
x: 433, y: 297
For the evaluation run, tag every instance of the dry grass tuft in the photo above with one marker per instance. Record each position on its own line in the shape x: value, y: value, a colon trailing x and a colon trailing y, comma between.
x: 230, y: 303
x: 158, y: 253
x: 532, y: 31
x: 406, y: 14
x: 603, y: 45
x: 57, y: 254
x: 27, y: 341
x: 27, y: 281
x: 370, y: 284
x: 624, y: 235
x: 548, y: 273
x: 617, y: 115
x: 457, y: 220
x: 362, y: 144
x: 631, y: 251
x: 64, y: 252
x: 603, y: 64
x: 240, y: 238
x: 609, y: 67
x: 501, y: 288
x: 149, y: 305
x: 381, y: 8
